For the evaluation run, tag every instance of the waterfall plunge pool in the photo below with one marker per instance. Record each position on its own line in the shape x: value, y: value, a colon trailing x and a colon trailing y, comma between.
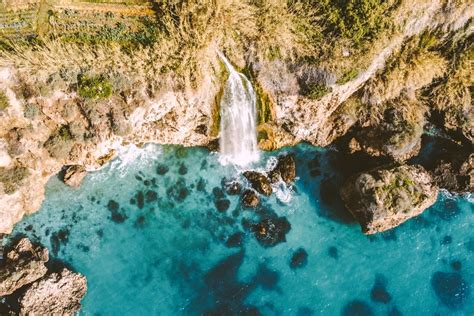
x: 152, y: 238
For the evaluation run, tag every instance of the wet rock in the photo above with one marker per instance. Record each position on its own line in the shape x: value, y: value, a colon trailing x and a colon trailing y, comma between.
x: 450, y: 288
x: 222, y: 205
x: 271, y: 231
x: 23, y: 265
x: 259, y: 182
x: 384, y: 198
x: 233, y: 187
x: 56, y: 294
x: 285, y: 169
x: 356, y: 308
x: 73, y: 175
x: 299, y: 259
x: 250, y: 198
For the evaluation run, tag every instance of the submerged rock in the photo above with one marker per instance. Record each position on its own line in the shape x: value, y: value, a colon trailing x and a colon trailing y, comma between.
x: 233, y: 187
x: 271, y: 231
x: 23, y: 264
x: 450, y: 288
x: 285, y: 169
x: 384, y: 198
x: 74, y: 175
x: 250, y: 198
x: 56, y: 294
x: 299, y: 259
x: 259, y: 182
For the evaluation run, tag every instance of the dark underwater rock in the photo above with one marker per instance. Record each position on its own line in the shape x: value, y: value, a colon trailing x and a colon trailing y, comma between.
x: 299, y: 259
x: 356, y: 308
x: 250, y: 198
x: 271, y: 231
x: 259, y: 182
x: 285, y: 169
x: 162, y: 169
x: 384, y: 198
x: 24, y: 264
x: 235, y: 240
x: 222, y: 205
x: 379, y: 292
x: 450, y: 288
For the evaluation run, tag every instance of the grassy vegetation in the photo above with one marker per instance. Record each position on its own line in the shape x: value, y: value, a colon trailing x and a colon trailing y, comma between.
x: 97, y: 87
x: 13, y: 178
x: 317, y: 91
x: 4, y: 103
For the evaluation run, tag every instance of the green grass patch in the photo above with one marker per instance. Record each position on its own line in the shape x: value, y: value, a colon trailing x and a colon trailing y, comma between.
x: 317, y: 91
x: 3, y: 101
x: 94, y: 88
x: 348, y: 76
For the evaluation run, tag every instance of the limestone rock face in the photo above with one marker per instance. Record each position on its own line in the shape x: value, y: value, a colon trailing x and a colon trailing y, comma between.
x: 56, y: 294
x: 285, y: 169
x: 384, y: 198
x: 74, y: 175
x: 24, y: 264
x: 455, y: 176
x: 259, y: 182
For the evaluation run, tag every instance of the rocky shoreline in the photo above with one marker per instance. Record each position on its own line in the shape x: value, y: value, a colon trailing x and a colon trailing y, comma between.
x: 29, y: 287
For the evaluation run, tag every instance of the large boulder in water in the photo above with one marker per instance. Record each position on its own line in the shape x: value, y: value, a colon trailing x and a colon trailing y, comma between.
x: 259, y: 182
x: 23, y: 265
x: 285, y: 169
x: 384, y: 198
x: 250, y: 198
x: 56, y: 294
x: 271, y: 231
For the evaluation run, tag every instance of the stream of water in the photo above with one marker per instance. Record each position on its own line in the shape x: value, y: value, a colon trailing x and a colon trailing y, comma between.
x: 238, y: 136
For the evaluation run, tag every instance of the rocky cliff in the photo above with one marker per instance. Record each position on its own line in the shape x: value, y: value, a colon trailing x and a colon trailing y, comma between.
x: 72, y: 96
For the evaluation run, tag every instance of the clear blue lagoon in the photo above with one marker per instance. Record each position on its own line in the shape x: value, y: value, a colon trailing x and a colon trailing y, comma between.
x: 155, y: 233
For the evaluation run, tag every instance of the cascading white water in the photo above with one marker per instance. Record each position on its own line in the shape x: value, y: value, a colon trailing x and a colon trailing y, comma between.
x: 238, y: 135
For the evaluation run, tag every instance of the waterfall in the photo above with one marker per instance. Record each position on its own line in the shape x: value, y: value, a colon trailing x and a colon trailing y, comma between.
x: 238, y: 136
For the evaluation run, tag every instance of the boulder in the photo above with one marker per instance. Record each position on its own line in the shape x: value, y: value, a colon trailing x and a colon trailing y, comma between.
x: 23, y: 265
x: 56, y: 294
x: 250, y: 198
x: 285, y: 170
x: 386, y: 197
x: 259, y: 182
x: 455, y: 176
x: 271, y: 231
x: 74, y: 175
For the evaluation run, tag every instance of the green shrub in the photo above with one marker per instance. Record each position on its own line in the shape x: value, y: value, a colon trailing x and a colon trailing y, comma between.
x: 3, y: 101
x: 348, y: 76
x: 94, y: 87
x: 13, y: 178
x: 317, y: 91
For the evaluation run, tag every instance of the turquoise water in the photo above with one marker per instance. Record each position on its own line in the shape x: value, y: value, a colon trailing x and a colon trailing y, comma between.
x: 147, y: 233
